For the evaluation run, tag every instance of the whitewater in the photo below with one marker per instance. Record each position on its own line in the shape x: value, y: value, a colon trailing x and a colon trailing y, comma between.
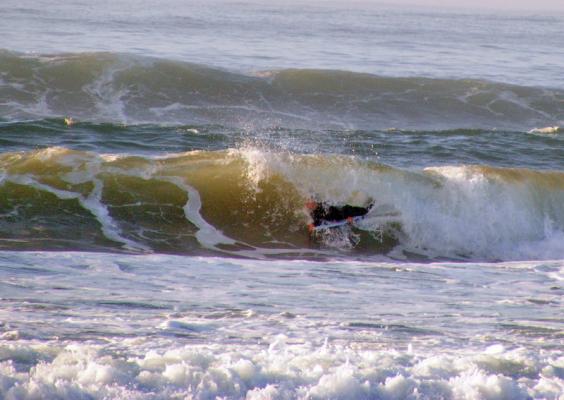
x: 155, y: 163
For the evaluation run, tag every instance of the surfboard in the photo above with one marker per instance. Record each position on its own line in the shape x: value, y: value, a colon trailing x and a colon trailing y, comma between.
x: 336, y: 224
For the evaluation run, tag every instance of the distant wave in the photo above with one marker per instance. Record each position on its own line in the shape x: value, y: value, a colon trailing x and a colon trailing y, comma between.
x: 106, y: 87
x: 249, y: 202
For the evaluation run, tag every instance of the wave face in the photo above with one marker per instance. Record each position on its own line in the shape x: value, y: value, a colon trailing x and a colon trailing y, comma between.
x: 107, y: 151
x: 249, y: 202
x: 106, y: 87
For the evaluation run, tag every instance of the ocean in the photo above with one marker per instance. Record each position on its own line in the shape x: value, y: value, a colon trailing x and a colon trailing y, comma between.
x: 155, y: 159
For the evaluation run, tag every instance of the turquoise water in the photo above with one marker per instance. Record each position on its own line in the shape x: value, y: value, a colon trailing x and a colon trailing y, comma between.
x: 154, y: 163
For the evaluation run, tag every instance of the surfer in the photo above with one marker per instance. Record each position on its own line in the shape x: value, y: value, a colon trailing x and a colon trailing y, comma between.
x: 322, y: 213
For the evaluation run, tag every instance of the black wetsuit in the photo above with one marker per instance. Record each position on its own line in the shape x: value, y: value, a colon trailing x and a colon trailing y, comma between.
x: 323, y: 213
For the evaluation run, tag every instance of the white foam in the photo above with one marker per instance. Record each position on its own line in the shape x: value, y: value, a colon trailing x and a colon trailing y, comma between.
x: 187, y: 325
x: 546, y: 130
x: 207, y: 235
x: 482, y: 216
x: 77, y: 371
x: 93, y: 203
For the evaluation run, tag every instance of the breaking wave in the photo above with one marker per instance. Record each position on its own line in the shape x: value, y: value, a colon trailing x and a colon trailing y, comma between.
x: 249, y: 202
x: 107, y: 87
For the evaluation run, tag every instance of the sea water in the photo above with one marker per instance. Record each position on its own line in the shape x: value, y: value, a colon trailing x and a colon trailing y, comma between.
x: 154, y: 165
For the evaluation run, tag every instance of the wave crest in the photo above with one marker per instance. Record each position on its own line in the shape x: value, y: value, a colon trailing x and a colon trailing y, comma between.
x: 130, y: 89
x: 250, y: 202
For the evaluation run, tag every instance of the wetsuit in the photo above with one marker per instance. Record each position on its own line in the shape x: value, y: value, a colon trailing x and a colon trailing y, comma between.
x: 323, y: 213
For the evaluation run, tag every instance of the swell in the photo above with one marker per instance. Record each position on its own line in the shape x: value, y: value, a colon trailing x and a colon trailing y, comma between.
x: 400, y: 148
x: 249, y: 202
x: 107, y: 87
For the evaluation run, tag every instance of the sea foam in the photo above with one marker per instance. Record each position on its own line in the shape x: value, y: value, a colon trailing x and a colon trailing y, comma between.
x: 281, y: 371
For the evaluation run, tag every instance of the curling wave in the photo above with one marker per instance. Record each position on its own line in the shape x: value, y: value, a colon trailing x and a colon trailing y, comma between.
x: 250, y: 202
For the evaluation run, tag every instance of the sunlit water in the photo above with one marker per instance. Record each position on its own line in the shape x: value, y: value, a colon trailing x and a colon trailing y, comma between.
x: 153, y: 168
